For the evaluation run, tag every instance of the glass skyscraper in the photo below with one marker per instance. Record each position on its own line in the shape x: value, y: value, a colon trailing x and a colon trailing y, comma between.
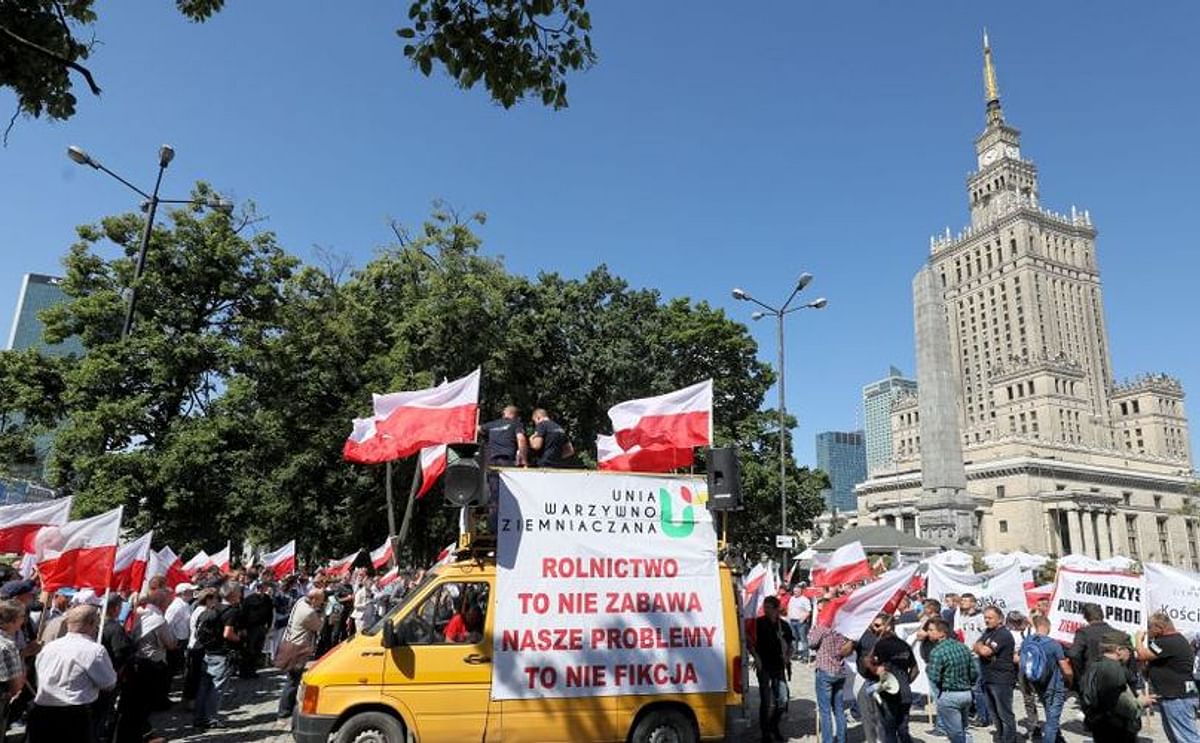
x: 877, y: 416
x: 842, y: 456
x: 39, y: 292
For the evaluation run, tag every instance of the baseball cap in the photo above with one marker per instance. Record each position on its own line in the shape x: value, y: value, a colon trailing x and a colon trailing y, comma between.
x: 184, y: 586
x: 15, y: 588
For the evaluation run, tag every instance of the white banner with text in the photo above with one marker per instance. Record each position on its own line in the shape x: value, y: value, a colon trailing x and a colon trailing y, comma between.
x: 1119, y: 595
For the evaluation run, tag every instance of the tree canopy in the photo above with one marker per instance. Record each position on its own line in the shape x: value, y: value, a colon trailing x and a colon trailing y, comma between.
x: 223, y: 414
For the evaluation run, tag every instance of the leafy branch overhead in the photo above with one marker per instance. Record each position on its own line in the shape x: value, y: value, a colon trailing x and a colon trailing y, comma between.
x: 516, y: 47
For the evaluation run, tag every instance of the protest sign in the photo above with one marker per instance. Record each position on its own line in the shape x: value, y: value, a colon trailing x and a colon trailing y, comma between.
x: 1175, y: 593
x: 908, y: 633
x: 1003, y: 588
x: 607, y: 584
x: 1120, y: 596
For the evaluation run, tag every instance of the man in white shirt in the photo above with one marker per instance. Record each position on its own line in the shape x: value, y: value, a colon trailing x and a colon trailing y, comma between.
x: 178, y: 616
x: 71, y: 671
x: 799, y: 611
x: 152, y: 640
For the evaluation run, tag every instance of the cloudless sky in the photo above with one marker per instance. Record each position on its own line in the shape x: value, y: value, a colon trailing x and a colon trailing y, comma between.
x: 714, y: 145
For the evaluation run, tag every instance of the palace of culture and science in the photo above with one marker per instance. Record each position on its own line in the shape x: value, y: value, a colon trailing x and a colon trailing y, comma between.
x: 1016, y: 383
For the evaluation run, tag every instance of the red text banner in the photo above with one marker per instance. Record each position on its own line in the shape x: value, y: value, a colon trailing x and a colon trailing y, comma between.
x: 1119, y: 595
x: 607, y: 584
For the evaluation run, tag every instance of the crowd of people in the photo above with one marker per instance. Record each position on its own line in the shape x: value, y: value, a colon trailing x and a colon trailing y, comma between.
x: 973, y: 659
x: 81, y: 666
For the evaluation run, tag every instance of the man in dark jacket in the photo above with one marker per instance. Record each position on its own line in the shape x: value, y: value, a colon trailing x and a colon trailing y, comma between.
x: 119, y: 647
x: 258, y: 615
x: 772, y: 648
x: 1086, y: 647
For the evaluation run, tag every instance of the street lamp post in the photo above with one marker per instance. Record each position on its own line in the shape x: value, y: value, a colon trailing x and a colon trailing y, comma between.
x: 166, y: 154
x: 779, y: 313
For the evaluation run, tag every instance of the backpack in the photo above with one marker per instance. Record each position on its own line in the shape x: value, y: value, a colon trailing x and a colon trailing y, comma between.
x: 1036, y: 665
x: 210, y: 631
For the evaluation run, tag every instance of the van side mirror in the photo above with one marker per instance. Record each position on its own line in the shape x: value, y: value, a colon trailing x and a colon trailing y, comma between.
x: 390, y: 639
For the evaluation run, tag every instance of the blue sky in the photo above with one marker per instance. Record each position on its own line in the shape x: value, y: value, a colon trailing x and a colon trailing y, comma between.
x: 714, y: 145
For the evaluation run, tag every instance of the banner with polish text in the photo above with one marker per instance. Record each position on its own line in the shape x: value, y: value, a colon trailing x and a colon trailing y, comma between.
x: 1176, y: 593
x: 1120, y: 595
x: 1003, y: 588
x: 607, y: 585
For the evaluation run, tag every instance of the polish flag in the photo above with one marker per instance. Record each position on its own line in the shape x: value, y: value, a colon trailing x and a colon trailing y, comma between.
x: 220, y: 560
x: 445, y: 414
x: 197, y: 563
x: 342, y: 566
x: 759, y: 583
x: 850, y: 615
x: 433, y: 464
x: 79, y: 554
x: 610, y: 456
x: 366, y: 445
x: 679, y: 419
x: 281, y: 562
x: 446, y: 556
x: 846, y: 564
x: 19, y: 523
x: 130, y: 566
x: 382, y: 555
x: 388, y: 578
x: 174, y: 566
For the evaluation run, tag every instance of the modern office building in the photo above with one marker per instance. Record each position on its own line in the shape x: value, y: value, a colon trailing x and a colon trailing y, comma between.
x: 1058, y: 456
x: 37, y: 293
x: 877, y: 416
x: 842, y: 456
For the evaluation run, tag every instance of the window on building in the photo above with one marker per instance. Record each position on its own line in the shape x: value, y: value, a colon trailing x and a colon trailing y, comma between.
x: 1059, y: 487
x: 1126, y: 497
x: 1164, y: 541
x: 1158, y: 501
x: 1132, y: 530
x: 1136, y: 409
x: 999, y: 491
x: 1193, y: 548
x: 1003, y: 526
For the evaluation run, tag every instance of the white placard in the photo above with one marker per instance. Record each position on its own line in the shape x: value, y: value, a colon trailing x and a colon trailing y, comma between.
x: 1120, y: 596
x: 606, y: 584
x: 1003, y: 588
x: 1176, y: 593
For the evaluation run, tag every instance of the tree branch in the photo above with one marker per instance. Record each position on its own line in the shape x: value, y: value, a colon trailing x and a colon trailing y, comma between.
x: 87, y: 75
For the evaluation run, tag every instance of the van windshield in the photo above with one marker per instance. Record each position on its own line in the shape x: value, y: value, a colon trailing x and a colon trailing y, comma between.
x: 398, y: 603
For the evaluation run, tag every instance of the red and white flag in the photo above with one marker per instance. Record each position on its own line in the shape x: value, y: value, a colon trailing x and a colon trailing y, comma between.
x: 175, y: 572
x: 19, y: 523
x: 759, y: 583
x: 366, y: 445
x: 610, y: 456
x: 130, y: 565
x: 445, y: 414
x: 850, y: 615
x: 846, y: 564
x: 220, y: 560
x: 342, y: 566
x: 433, y: 464
x: 446, y: 556
x: 281, y: 562
x: 197, y: 563
x: 382, y: 554
x: 389, y: 577
x: 79, y: 554
x: 679, y: 419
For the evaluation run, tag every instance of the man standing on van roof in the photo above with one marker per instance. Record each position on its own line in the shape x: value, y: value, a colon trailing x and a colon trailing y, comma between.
x: 505, y: 441
x: 549, y: 441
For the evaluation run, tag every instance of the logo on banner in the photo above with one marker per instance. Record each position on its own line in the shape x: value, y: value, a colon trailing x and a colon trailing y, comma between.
x: 666, y: 510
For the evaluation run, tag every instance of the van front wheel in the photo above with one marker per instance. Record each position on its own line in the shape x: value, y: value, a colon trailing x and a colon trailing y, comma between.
x: 371, y: 727
x: 664, y: 726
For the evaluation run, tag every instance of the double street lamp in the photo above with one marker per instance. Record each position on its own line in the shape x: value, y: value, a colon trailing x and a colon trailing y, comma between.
x: 166, y: 154
x: 779, y: 313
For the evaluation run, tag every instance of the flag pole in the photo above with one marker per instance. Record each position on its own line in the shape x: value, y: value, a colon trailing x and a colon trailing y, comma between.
x: 103, y: 611
x: 408, y: 512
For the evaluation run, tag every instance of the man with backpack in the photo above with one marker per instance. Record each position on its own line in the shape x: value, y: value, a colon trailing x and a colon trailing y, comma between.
x: 1047, y: 670
x: 1111, y: 712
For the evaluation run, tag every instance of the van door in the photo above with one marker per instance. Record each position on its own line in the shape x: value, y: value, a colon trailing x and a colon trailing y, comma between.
x: 441, y: 668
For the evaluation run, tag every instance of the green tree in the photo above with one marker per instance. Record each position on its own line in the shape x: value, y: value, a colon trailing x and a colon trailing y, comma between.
x: 30, y: 395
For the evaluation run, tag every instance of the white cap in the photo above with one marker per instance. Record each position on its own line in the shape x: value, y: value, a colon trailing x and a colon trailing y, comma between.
x: 184, y: 587
x: 86, y: 596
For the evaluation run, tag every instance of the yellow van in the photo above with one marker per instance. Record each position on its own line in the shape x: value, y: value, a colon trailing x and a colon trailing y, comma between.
x: 417, y: 676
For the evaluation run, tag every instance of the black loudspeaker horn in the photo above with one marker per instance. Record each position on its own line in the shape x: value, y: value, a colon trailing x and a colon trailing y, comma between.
x: 463, y: 483
x: 724, y: 484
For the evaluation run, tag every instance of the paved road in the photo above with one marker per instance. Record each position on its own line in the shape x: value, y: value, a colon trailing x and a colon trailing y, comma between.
x: 251, y: 717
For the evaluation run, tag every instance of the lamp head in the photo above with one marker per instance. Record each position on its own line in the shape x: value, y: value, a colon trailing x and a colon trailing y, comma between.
x: 818, y: 303
x: 757, y: 315
x: 78, y: 155
x: 225, y: 206
x: 166, y: 154
x: 804, y: 280
x: 739, y: 294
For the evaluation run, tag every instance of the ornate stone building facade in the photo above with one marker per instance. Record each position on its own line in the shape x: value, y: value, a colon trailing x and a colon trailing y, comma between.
x: 1058, y: 456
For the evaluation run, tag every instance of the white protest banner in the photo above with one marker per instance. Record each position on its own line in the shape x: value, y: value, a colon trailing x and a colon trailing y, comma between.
x: 1120, y: 596
x: 1175, y: 593
x: 1003, y: 588
x: 908, y: 633
x: 607, y: 584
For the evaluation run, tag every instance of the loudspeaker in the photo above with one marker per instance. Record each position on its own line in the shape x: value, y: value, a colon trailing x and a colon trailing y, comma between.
x: 463, y: 483
x: 724, y: 485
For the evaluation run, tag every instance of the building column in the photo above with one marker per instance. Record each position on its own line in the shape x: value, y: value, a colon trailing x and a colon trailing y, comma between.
x: 1102, y: 528
x: 1108, y: 526
x: 1050, y: 520
x: 1073, y: 532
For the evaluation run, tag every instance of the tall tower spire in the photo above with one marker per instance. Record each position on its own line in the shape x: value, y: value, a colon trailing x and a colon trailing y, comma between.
x: 990, y: 87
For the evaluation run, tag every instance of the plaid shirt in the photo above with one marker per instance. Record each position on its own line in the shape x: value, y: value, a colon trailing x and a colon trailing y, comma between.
x: 10, y: 659
x: 828, y: 644
x: 951, y: 666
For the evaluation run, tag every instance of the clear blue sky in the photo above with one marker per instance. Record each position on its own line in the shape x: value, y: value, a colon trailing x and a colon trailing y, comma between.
x: 714, y: 145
